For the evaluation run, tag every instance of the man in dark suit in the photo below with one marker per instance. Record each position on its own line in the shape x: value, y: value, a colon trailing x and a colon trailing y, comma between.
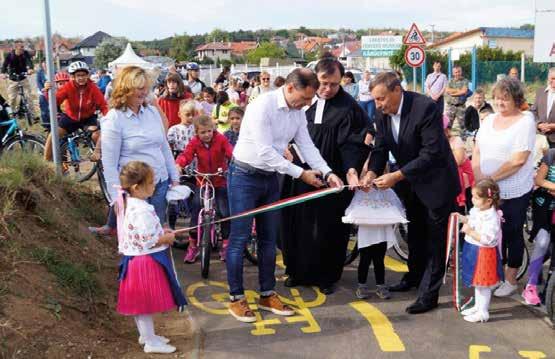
x: 409, y: 126
x: 544, y: 108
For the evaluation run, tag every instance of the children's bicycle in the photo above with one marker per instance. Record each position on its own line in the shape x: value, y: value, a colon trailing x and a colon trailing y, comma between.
x: 207, y: 238
x: 14, y: 139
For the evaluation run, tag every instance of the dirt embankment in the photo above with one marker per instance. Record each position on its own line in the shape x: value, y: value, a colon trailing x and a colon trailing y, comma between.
x: 58, y: 283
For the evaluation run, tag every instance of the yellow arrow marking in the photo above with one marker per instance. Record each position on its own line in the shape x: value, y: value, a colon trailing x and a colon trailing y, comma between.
x: 395, y: 265
x: 531, y: 354
x: 475, y: 350
x: 385, y: 334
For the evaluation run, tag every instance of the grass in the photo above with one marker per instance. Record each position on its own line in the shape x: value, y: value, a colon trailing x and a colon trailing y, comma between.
x: 79, y: 278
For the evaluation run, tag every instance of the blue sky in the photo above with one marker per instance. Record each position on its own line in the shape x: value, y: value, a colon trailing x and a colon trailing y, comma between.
x: 150, y: 19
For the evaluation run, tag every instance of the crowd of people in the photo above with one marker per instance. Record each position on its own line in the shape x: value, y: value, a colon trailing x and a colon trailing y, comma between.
x: 309, y: 130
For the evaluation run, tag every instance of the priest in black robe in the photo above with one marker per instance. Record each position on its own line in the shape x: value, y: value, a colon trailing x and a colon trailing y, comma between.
x: 314, y: 239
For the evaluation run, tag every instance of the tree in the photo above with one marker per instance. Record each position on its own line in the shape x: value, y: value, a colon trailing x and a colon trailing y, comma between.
x: 527, y: 27
x: 218, y: 35
x: 182, y: 47
x: 109, y: 50
x: 266, y: 49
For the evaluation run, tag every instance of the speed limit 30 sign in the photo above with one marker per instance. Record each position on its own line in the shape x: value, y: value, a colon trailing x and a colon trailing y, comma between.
x: 415, y: 56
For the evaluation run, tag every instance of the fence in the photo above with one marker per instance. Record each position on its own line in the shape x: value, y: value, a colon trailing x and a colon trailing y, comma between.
x: 481, y: 73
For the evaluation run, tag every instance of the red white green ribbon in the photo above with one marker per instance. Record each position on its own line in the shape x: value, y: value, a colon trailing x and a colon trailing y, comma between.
x: 286, y: 202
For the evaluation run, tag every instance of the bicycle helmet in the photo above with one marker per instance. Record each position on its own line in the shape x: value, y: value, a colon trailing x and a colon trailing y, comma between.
x: 61, y: 77
x: 78, y: 66
x: 192, y: 66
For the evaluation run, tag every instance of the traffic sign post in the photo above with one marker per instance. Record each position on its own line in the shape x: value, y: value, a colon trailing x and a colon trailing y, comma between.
x: 415, y: 54
x: 414, y: 36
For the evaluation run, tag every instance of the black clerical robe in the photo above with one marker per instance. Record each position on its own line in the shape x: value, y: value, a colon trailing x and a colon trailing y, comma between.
x: 314, y: 239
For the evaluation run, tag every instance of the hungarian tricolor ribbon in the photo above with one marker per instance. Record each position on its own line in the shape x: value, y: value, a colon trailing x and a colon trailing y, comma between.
x: 286, y: 202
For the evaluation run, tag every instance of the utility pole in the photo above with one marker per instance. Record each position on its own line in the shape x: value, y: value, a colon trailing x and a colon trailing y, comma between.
x: 433, y: 27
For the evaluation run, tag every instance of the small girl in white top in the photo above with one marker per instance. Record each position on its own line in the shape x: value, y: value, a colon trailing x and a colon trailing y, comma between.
x: 148, y: 283
x: 481, y: 258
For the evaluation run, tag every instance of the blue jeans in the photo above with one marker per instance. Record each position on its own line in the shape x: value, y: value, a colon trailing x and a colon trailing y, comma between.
x: 158, y: 199
x: 370, y: 108
x: 248, y: 190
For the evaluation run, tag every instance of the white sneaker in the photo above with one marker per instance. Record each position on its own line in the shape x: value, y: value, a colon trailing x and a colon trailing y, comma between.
x: 477, y: 317
x: 469, y: 311
x: 505, y: 290
x: 160, y: 348
x: 161, y: 339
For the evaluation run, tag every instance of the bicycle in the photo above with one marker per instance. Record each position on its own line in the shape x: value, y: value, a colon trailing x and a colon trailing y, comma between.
x: 16, y: 139
x: 400, y: 247
x: 206, y: 228
x: 76, y: 150
x: 23, y: 110
x: 549, y: 289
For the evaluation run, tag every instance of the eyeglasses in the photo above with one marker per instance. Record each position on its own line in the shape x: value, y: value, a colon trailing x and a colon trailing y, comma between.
x: 265, y: 79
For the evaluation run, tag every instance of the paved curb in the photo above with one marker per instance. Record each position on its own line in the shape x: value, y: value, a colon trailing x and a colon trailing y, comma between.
x: 197, y: 336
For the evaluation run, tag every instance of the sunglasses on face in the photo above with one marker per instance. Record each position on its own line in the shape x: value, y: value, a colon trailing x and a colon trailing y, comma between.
x: 265, y: 79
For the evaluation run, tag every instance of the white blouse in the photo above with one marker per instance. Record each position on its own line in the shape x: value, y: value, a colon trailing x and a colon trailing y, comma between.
x: 141, y: 229
x: 488, y: 224
x: 496, y: 148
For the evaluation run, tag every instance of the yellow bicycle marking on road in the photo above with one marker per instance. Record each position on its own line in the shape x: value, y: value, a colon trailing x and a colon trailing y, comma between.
x: 395, y: 265
x: 475, y: 350
x: 385, y: 334
x: 531, y: 354
x: 304, y: 315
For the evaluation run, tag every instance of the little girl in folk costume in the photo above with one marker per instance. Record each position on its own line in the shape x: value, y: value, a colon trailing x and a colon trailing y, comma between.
x: 148, y: 283
x: 481, y: 258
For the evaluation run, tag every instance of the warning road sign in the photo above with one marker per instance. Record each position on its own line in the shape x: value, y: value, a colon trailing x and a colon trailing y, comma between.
x: 414, y: 56
x: 414, y: 36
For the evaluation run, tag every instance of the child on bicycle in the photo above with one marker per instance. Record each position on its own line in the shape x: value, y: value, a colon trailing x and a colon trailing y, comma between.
x: 481, y: 257
x: 83, y: 100
x: 147, y: 280
x: 235, y: 117
x: 179, y: 137
x: 60, y: 79
x: 213, y: 152
x: 543, y: 204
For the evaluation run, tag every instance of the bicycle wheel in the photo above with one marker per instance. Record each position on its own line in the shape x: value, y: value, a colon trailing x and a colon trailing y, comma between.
x: 550, y: 298
x: 352, y: 246
x: 251, y: 250
x: 401, y: 247
x: 102, y: 182
x: 205, y: 247
x: 25, y: 144
x: 525, y: 262
x: 76, y: 162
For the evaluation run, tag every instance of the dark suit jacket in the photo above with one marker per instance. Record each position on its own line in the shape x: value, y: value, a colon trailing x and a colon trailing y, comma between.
x: 422, y: 152
x: 540, y: 111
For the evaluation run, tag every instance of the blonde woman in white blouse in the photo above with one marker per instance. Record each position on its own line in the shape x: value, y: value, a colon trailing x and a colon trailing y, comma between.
x: 504, y: 145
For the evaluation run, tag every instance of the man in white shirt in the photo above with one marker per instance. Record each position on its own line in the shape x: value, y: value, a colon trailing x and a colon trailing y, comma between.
x: 544, y: 108
x: 270, y: 123
x: 365, y: 99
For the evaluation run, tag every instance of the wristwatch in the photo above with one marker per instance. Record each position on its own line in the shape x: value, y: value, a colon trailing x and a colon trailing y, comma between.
x: 327, y: 175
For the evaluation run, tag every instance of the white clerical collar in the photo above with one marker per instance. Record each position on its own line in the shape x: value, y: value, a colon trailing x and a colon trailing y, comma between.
x: 400, y: 104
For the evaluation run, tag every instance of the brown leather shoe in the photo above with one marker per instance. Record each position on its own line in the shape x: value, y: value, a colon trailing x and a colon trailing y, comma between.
x: 241, y: 311
x: 273, y: 304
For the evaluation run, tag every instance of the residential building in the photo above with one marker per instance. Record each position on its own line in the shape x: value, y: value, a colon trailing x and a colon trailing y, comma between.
x: 84, y: 51
x: 493, y: 37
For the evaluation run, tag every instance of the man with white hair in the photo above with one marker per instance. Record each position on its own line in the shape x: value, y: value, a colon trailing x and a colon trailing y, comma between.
x: 544, y: 108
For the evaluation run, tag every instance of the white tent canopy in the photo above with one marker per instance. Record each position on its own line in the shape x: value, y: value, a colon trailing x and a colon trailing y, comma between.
x: 128, y: 58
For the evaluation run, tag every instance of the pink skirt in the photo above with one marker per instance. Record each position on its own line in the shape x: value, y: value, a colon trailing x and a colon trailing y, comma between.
x: 145, y: 288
